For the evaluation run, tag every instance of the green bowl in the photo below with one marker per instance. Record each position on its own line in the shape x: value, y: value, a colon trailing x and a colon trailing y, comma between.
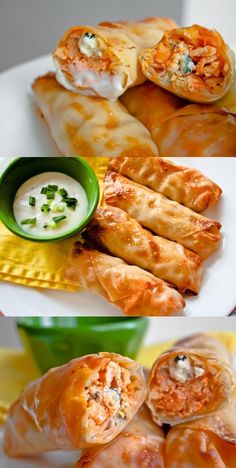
x: 21, y: 169
x: 53, y: 341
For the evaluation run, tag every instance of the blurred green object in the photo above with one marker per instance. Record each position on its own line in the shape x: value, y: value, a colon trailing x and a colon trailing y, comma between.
x: 53, y: 341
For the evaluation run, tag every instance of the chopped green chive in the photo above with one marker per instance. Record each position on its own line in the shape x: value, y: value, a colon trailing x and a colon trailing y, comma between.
x: 45, y: 208
x: 43, y: 190
x: 63, y: 192
x: 70, y: 202
x: 58, y: 219
x: 28, y: 221
x: 32, y: 201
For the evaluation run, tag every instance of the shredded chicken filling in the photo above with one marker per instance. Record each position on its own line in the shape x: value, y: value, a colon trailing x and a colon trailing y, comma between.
x: 178, y: 59
x: 172, y: 395
x: 109, y: 396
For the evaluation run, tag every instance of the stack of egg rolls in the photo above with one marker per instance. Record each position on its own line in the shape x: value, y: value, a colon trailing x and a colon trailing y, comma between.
x: 121, y: 235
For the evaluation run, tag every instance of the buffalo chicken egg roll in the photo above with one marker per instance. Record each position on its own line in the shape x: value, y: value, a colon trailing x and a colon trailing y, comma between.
x: 103, y: 60
x: 179, y: 129
x: 197, y: 130
x: 165, y: 217
x: 141, y: 444
x: 182, y: 184
x: 86, y: 402
x: 114, y: 230
x: 194, y: 63
x: 191, y: 380
x: 208, y: 442
x: 90, y: 126
x: 131, y: 289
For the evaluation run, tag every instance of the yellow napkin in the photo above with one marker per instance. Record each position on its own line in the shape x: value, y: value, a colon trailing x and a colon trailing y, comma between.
x: 40, y: 264
x: 17, y: 368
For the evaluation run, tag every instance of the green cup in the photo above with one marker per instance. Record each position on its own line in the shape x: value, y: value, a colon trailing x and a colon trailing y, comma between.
x: 21, y: 169
x: 53, y: 341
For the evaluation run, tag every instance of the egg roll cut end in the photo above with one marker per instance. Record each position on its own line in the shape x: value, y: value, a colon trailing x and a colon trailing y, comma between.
x: 109, y: 395
x: 187, y: 385
x: 193, y: 62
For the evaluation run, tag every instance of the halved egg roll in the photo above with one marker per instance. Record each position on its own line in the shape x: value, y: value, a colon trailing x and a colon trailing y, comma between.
x: 131, y: 289
x: 192, y: 62
x: 114, y: 230
x: 86, y: 126
x: 142, y: 444
x: 191, y: 380
x: 165, y: 217
x: 103, y: 60
x: 209, y: 442
x: 86, y: 402
x: 179, y: 129
x: 182, y: 184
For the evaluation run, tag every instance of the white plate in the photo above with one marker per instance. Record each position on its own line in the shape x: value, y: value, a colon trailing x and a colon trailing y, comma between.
x: 23, y: 132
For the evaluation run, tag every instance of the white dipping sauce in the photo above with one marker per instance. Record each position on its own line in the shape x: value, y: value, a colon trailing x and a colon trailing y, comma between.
x: 32, y: 187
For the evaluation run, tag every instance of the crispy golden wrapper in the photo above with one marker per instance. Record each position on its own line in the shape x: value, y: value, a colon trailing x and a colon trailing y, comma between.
x: 141, y: 444
x: 103, y: 60
x: 87, y: 126
x: 184, y: 185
